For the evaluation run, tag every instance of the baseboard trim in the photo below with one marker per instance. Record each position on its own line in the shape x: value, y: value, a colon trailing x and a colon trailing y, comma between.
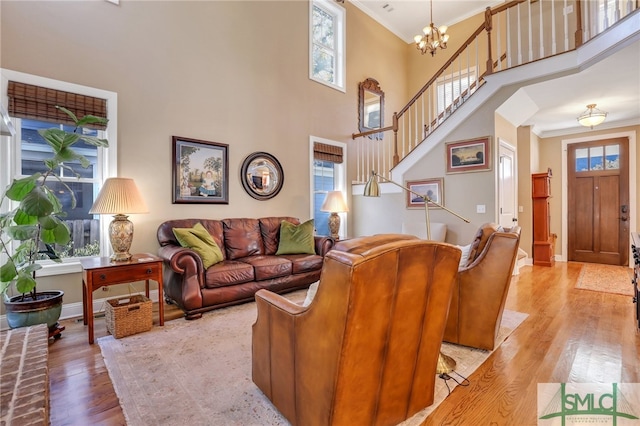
x: 73, y: 310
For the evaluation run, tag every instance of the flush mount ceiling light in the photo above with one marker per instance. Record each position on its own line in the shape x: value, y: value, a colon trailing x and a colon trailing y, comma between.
x: 433, y: 37
x: 592, y: 116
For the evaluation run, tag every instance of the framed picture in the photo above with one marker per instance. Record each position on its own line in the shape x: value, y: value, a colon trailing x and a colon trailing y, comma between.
x: 432, y: 188
x: 473, y: 155
x: 200, y: 171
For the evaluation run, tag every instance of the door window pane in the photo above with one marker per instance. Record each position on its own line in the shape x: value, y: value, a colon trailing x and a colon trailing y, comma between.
x: 582, y: 159
x: 612, y: 156
x: 596, y: 160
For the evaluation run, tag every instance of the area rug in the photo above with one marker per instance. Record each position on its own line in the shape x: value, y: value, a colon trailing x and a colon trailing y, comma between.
x: 606, y: 278
x: 199, y: 372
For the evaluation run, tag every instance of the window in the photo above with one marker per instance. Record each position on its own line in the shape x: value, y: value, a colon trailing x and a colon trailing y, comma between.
x: 598, y: 158
x: 328, y: 173
x: 327, y: 41
x: 455, y: 88
x: 27, y: 149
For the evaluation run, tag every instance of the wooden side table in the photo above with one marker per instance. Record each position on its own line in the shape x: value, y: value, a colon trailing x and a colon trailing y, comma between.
x: 102, y: 271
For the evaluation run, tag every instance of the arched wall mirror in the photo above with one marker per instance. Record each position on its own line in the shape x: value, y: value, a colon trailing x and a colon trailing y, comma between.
x: 371, y: 107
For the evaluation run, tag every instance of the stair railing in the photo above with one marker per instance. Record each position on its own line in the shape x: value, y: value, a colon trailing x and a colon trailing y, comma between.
x: 519, y: 32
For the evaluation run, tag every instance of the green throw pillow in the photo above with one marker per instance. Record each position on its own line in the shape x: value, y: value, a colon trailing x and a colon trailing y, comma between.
x: 199, y: 239
x: 296, y: 239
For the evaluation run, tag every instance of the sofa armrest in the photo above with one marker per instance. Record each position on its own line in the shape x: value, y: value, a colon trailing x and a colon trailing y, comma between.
x: 323, y: 244
x: 182, y: 260
x: 184, y: 277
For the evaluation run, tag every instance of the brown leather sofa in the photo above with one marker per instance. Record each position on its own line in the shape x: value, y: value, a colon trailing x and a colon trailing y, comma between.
x: 481, y: 288
x: 250, y: 264
x: 364, y: 351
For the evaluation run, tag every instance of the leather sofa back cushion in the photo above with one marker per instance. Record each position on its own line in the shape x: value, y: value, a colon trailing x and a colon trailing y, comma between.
x: 270, y: 229
x: 296, y: 239
x: 242, y: 238
x: 199, y: 240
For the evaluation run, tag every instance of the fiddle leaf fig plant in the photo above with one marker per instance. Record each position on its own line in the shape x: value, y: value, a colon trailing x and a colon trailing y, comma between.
x: 30, y: 231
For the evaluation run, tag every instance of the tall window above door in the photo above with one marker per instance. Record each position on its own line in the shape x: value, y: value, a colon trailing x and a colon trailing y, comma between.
x: 327, y: 43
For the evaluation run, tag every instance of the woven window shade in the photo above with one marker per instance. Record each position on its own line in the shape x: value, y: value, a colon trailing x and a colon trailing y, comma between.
x: 326, y: 152
x: 39, y: 103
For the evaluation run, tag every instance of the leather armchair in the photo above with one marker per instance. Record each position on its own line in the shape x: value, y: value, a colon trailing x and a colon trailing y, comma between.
x: 481, y: 288
x: 364, y: 351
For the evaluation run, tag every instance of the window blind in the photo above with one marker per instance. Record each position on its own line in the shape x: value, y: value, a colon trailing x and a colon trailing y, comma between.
x: 326, y: 152
x: 39, y: 103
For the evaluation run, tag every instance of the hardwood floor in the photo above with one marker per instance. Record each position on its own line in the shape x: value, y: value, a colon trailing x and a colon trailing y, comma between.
x: 570, y: 336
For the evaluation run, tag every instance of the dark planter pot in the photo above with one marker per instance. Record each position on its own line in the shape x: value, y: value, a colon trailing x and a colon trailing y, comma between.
x: 45, y: 310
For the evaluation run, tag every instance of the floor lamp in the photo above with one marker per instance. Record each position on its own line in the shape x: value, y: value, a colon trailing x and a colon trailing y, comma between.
x: 445, y: 364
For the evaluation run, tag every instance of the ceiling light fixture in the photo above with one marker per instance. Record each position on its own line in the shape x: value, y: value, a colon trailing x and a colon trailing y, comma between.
x: 433, y: 37
x: 592, y: 116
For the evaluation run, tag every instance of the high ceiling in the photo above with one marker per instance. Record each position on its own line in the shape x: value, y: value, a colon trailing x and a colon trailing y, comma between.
x: 613, y: 83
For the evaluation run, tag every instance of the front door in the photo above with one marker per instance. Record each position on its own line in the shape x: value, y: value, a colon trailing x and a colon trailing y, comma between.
x: 598, y: 196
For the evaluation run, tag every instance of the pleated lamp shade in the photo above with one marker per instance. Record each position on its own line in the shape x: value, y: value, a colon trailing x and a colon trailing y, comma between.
x: 119, y: 197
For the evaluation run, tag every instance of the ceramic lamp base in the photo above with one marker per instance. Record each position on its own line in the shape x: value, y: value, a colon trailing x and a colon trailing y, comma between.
x: 121, y: 236
x: 334, y: 225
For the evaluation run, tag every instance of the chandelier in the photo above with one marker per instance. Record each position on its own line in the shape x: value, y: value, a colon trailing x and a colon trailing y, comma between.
x: 433, y: 37
x: 592, y: 116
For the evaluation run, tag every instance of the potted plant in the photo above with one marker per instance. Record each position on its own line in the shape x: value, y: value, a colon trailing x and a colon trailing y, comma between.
x: 32, y: 230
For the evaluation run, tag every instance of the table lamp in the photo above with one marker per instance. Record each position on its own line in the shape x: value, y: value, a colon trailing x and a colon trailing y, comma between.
x: 334, y: 203
x: 119, y: 197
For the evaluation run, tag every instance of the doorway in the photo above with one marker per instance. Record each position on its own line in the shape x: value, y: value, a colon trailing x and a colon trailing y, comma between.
x: 598, y: 205
x: 507, y: 186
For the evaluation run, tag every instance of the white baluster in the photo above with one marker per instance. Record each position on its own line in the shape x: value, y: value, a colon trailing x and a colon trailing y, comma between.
x: 541, y: 29
x: 553, y: 27
x: 519, y: 32
x: 530, y: 32
x: 509, y: 38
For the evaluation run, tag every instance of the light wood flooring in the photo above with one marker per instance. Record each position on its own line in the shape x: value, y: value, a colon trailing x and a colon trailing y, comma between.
x: 570, y: 335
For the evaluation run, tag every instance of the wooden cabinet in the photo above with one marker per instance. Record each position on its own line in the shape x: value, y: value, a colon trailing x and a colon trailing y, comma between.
x: 543, y: 240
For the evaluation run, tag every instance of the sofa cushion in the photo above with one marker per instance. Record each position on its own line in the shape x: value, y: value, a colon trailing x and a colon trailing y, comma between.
x: 267, y: 267
x: 242, y: 238
x: 199, y: 240
x: 270, y: 229
x: 302, y: 263
x: 296, y: 239
x: 228, y: 272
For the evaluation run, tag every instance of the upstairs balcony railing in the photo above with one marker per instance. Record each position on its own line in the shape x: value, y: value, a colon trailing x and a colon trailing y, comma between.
x: 513, y: 34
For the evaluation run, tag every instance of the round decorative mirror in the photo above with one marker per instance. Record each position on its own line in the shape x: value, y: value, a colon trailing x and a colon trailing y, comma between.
x: 261, y: 175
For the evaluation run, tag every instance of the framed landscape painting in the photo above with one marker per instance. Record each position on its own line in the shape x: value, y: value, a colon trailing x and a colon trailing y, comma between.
x: 433, y: 188
x: 200, y: 171
x: 473, y: 155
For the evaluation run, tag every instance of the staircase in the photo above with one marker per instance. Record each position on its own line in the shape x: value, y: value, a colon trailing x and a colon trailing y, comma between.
x: 514, y: 34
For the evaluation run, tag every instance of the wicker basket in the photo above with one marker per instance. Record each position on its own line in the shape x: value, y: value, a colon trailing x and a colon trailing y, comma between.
x: 128, y: 315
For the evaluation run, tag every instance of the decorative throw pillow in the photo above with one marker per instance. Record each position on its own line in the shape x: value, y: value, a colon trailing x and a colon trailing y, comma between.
x: 296, y: 239
x: 464, y: 259
x: 199, y: 240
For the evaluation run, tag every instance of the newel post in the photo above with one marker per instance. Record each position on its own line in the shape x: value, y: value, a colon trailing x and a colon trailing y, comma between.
x: 396, y: 157
x: 488, y: 27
